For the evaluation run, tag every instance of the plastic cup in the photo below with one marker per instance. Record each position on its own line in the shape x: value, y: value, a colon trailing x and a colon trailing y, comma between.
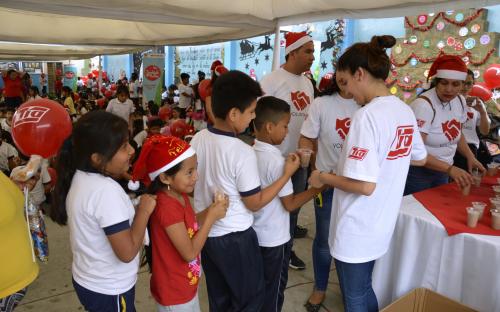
x: 466, y: 190
x: 305, y: 157
x: 495, y: 201
x: 479, y: 206
x: 495, y: 219
x: 476, y: 176
x: 472, y: 217
x: 492, y: 169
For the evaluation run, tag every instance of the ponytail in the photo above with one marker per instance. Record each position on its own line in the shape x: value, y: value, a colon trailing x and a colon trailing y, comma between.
x: 65, y: 169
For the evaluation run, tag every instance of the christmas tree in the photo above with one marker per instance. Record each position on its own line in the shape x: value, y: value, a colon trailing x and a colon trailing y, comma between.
x: 462, y: 33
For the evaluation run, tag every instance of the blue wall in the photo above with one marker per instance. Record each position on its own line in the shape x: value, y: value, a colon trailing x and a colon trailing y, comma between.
x: 115, y: 64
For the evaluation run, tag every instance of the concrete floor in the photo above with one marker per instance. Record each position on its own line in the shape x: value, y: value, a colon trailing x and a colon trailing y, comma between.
x: 52, y: 291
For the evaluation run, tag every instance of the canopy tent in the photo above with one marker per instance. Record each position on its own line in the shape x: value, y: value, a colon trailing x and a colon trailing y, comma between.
x: 133, y: 24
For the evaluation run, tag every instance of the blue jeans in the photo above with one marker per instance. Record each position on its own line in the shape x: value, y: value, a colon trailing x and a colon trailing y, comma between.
x: 322, y: 259
x: 421, y: 178
x: 299, y: 181
x: 356, y: 284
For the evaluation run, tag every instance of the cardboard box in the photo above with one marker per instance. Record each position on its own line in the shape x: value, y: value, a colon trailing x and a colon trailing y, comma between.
x: 425, y: 300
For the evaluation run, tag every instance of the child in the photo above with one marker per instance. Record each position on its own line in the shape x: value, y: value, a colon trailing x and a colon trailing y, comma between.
x: 106, y: 232
x: 231, y: 254
x: 6, y: 122
x: 33, y: 94
x: 154, y: 127
x: 175, y: 236
x: 272, y: 223
x: 186, y: 93
x: 8, y: 155
x: 68, y: 101
x: 122, y: 106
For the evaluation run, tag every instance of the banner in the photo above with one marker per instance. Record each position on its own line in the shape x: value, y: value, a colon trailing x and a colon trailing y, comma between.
x: 153, y: 68
x: 192, y: 59
x: 70, y: 76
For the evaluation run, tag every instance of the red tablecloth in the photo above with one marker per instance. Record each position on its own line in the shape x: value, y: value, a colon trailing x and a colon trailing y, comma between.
x: 447, y: 204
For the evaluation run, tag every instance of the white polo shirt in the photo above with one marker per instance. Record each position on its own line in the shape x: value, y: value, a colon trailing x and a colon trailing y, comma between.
x: 329, y: 120
x: 382, y: 140
x: 227, y: 164
x: 120, y: 109
x: 185, y: 101
x: 473, y: 120
x: 97, y: 205
x: 444, y: 132
x: 6, y: 151
x: 298, y: 92
x: 272, y: 222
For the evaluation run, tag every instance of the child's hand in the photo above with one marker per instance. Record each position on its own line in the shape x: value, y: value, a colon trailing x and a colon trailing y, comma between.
x: 292, y: 163
x: 219, y: 208
x: 147, y: 203
x: 314, y: 180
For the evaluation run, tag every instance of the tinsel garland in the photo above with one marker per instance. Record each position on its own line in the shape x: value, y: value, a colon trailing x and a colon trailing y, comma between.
x: 443, y: 16
x: 432, y: 58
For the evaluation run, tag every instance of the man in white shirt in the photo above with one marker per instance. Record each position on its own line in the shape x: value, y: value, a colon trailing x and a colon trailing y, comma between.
x: 288, y: 83
x: 186, y: 92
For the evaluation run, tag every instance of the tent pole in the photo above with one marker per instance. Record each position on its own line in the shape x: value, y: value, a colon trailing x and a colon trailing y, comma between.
x: 276, y: 50
x: 99, y: 79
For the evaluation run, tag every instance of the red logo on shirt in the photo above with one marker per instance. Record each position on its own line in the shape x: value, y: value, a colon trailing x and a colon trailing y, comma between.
x: 357, y: 153
x: 32, y: 114
x: 420, y: 123
x: 152, y: 72
x: 451, y: 129
x: 342, y: 126
x: 300, y: 100
x: 401, y: 145
x: 470, y: 115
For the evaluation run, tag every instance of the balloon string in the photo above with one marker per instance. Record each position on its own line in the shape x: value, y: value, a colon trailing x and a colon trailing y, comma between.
x: 26, y: 195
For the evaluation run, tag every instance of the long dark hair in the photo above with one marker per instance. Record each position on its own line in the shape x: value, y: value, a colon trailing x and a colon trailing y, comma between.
x: 332, y: 88
x: 95, y: 132
x: 155, y: 187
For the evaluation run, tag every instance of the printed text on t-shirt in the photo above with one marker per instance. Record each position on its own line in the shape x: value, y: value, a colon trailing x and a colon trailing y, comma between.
x: 300, y: 100
x: 401, y: 145
x: 358, y: 153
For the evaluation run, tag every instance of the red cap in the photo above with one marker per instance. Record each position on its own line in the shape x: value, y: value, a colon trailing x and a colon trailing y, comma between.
x: 325, y: 81
x: 295, y: 40
x: 219, y: 70
x: 448, y: 67
x: 215, y: 64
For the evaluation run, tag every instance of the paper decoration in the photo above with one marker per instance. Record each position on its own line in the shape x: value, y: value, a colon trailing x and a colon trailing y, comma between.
x: 440, y: 45
x: 463, y: 31
x: 450, y: 12
x: 427, y: 43
x: 413, y: 62
x: 393, y: 90
x: 466, y: 60
x: 407, y: 79
x: 413, y: 39
x: 470, y: 43
x: 450, y: 41
x: 440, y: 26
x: 475, y: 28
x: 422, y: 19
x: 485, y: 39
x: 426, y: 73
x: 431, y: 14
x: 407, y: 95
x: 398, y: 49
x: 458, y: 46
x: 459, y: 17
x: 476, y: 73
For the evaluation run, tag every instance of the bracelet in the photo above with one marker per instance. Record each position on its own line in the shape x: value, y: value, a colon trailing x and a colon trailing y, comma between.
x: 448, y: 171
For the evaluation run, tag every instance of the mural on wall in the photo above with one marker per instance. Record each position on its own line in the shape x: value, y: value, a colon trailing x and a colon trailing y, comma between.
x: 249, y: 49
x: 331, y: 47
x: 192, y: 59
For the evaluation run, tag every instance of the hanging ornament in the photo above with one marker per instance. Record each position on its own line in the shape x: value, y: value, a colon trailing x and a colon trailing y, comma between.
x: 405, y: 41
x: 470, y: 43
x: 413, y: 39
x: 440, y: 26
x: 477, y: 73
x: 406, y: 79
x: 413, y: 62
x: 440, y: 45
x: 406, y: 95
x: 398, y: 49
x: 466, y: 59
x: 426, y: 73
x: 463, y: 32
x: 450, y: 12
x: 459, y: 17
x: 485, y: 39
x: 458, y: 46
x: 475, y: 28
x: 422, y: 19
x: 427, y: 43
x: 431, y: 14
x: 450, y: 41
x: 393, y: 90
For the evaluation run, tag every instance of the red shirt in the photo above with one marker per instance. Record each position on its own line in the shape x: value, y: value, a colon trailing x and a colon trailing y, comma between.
x: 12, y: 88
x: 173, y: 280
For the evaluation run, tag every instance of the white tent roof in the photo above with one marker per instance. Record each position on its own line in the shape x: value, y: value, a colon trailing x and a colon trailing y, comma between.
x: 134, y: 24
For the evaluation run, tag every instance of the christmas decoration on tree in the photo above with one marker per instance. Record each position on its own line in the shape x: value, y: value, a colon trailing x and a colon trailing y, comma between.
x: 462, y: 33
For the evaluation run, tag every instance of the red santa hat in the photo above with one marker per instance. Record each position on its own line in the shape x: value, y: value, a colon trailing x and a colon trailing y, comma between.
x: 158, y: 154
x: 448, y: 67
x: 219, y: 70
x: 215, y: 64
x: 295, y: 40
x: 326, y: 81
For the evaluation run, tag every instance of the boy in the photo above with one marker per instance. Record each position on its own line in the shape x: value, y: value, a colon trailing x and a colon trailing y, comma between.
x: 272, y: 223
x: 186, y: 93
x: 231, y: 258
x: 154, y: 126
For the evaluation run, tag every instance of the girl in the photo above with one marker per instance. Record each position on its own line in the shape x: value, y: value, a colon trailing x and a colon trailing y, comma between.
x: 216, y: 70
x: 106, y: 232
x: 67, y: 95
x: 176, y: 238
x: 383, y: 139
x: 440, y: 112
x: 33, y: 94
x: 326, y: 127
x: 122, y: 106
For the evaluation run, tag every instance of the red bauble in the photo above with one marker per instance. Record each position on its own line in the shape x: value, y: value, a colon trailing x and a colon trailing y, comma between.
x: 39, y: 127
x: 492, y: 76
x: 482, y: 91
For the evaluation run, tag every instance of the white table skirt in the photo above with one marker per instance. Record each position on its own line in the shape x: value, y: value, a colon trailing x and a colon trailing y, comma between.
x: 464, y: 267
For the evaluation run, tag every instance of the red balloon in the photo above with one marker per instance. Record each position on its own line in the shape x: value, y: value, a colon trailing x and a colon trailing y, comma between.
x: 90, y: 76
x: 203, y: 88
x: 164, y: 113
x: 179, y: 128
x: 108, y: 94
x: 480, y: 90
x: 95, y: 72
x: 492, y: 76
x: 100, y: 102
x: 76, y: 97
x: 113, y: 87
x: 39, y: 127
x: 103, y: 89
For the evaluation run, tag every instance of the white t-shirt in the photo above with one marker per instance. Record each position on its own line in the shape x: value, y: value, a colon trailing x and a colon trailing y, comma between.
x: 381, y: 142
x: 132, y: 89
x: 140, y: 137
x: 298, y: 92
x: 272, y: 222
x: 329, y: 120
x: 6, y: 151
x: 227, y: 164
x: 472, y: 122
x: 37, y: 97
x: 121, y: 109
x: 185, y: 101
x: 90, y: 83
x: 444, y: 132
x: 5, y: 125
x: 96, y: 204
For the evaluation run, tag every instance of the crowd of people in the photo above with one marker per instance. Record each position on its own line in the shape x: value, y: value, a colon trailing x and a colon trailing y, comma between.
x: 368, y: 149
